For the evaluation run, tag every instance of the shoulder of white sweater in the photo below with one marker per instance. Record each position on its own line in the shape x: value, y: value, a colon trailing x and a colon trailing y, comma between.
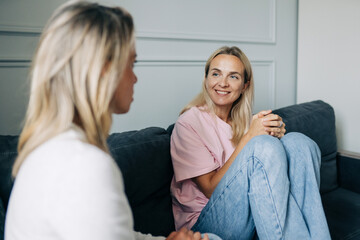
x: 69, y: 147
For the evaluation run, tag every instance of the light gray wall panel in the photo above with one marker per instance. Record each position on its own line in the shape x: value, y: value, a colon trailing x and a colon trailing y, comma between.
x: 205, y: 20
x: 13, y: 97
x: 264, y: 80
x: 26, y: 16
x: 264, y: 30
x: 17, y: 46
x: 163, y: 89
x: 174, y: 40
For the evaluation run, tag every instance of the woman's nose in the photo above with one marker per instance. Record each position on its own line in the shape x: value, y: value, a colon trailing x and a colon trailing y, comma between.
x: 223, y: 82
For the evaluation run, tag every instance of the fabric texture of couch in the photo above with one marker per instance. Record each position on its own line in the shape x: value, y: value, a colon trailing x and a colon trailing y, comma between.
x: 144, y: 159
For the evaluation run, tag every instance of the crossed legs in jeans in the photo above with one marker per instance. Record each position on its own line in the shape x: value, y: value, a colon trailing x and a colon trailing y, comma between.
x: 273, y: 186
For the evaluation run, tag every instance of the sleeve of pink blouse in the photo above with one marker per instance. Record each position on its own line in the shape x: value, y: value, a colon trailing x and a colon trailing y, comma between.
x: 190, y: 155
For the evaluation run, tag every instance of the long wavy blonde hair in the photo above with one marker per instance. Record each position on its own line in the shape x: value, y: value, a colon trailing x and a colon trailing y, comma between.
x: 78, y: 64
x: 241, y: 111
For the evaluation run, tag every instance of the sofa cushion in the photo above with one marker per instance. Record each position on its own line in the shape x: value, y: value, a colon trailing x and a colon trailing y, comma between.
x: 2, y: 220
x: 316, y: 120
x: 8, y: 153
x: 144, y: 159
x: 342, y: 210
x: 349, y: 169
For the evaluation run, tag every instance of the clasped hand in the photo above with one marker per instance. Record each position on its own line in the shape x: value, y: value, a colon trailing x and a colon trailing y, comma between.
x: 185, y: 234
x: 268, y: 123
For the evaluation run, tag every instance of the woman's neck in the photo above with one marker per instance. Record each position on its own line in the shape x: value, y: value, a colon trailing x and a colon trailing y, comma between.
x: 223, y: 114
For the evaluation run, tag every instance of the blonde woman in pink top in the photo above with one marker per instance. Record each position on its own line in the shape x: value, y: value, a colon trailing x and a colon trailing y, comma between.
x: 236, y: 173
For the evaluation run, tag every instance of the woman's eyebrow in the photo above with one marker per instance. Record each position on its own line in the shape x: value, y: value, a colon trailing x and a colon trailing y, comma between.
x: 230, y: 73
x: 235, y: 73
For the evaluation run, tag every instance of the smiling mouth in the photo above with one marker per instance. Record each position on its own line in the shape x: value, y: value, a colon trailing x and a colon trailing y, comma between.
x: 221, y: 92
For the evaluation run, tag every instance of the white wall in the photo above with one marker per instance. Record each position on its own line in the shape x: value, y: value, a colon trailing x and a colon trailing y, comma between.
x: 329, y: 62
x: 21, y: 23
x: 174, y: 39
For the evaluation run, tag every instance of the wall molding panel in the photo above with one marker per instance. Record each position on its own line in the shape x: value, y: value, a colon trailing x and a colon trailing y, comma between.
x: 169, y: 62
x: 267, y: 35
x: 265, y: 84
x: 207, y: 37
x: 173, y: 42
x: 24, y: 30
x: 271, y: 76
x: 9, y: 63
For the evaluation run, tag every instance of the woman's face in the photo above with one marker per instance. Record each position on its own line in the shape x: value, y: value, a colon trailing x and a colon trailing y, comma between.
x: 125, y: 90
x: 225, y: 81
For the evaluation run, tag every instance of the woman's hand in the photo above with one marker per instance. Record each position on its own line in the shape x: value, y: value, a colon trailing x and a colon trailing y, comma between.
x: 185, y: 234
x: 257, y: 127
x: 272, y: 123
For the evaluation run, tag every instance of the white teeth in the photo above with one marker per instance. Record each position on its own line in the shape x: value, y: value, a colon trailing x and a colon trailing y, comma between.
x: 221, y: 92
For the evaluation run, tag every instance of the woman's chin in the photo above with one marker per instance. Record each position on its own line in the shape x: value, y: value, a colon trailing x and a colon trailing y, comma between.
x: 121, y: 110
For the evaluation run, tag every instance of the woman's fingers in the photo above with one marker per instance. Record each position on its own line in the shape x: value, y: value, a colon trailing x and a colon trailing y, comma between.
x: 274, y: 125
x: 197, y: 236
x: 266, y: 122
x: 275, y: 130
x: 278, y: 132
x: 272, y: 120
x: 185, y: 234
x: 271, y: 117
x: 263, y: 113
x: 171, y: 236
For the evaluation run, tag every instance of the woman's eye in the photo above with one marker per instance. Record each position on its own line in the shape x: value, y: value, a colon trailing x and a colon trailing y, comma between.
x: 234, y: 77
x: 215, y: 74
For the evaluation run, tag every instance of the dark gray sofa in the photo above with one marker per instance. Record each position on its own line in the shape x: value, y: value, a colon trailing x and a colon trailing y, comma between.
x: 144, y: 159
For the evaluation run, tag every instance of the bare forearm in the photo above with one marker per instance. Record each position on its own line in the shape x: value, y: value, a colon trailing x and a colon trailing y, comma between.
x: 208, y: 182
x: 221, y: 172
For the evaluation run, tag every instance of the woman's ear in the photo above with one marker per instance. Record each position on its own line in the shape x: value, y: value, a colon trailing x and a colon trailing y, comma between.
x: 105, y: 68
x: 204, y: 82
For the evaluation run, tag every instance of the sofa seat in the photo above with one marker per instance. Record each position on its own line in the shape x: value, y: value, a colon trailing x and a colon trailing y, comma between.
x: 342, y: 208
x: 342, y: 205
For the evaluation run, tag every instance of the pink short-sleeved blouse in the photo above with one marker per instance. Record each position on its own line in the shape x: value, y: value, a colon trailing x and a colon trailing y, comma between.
x: 200, y: 143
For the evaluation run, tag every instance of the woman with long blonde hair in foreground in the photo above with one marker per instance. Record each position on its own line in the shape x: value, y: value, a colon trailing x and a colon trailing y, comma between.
x: 67, y: 186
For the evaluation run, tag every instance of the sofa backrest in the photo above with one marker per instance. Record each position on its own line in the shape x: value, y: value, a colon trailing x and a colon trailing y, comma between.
x: 316, y: 120
x: 8, y: 153
x: 144, y: 159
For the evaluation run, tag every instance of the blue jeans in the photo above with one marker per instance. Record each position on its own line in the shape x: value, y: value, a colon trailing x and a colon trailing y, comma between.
x: 273, y: 187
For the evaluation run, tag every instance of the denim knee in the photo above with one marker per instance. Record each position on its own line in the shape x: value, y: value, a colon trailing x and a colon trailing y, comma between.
x: 299, y: 139
x: 296, y: 142
x: 265, y: 144
x: 266, y: 150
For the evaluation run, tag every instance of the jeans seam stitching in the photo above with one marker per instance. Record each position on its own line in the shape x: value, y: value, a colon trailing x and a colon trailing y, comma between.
x: 220, y: 195
x: 270, y: 193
